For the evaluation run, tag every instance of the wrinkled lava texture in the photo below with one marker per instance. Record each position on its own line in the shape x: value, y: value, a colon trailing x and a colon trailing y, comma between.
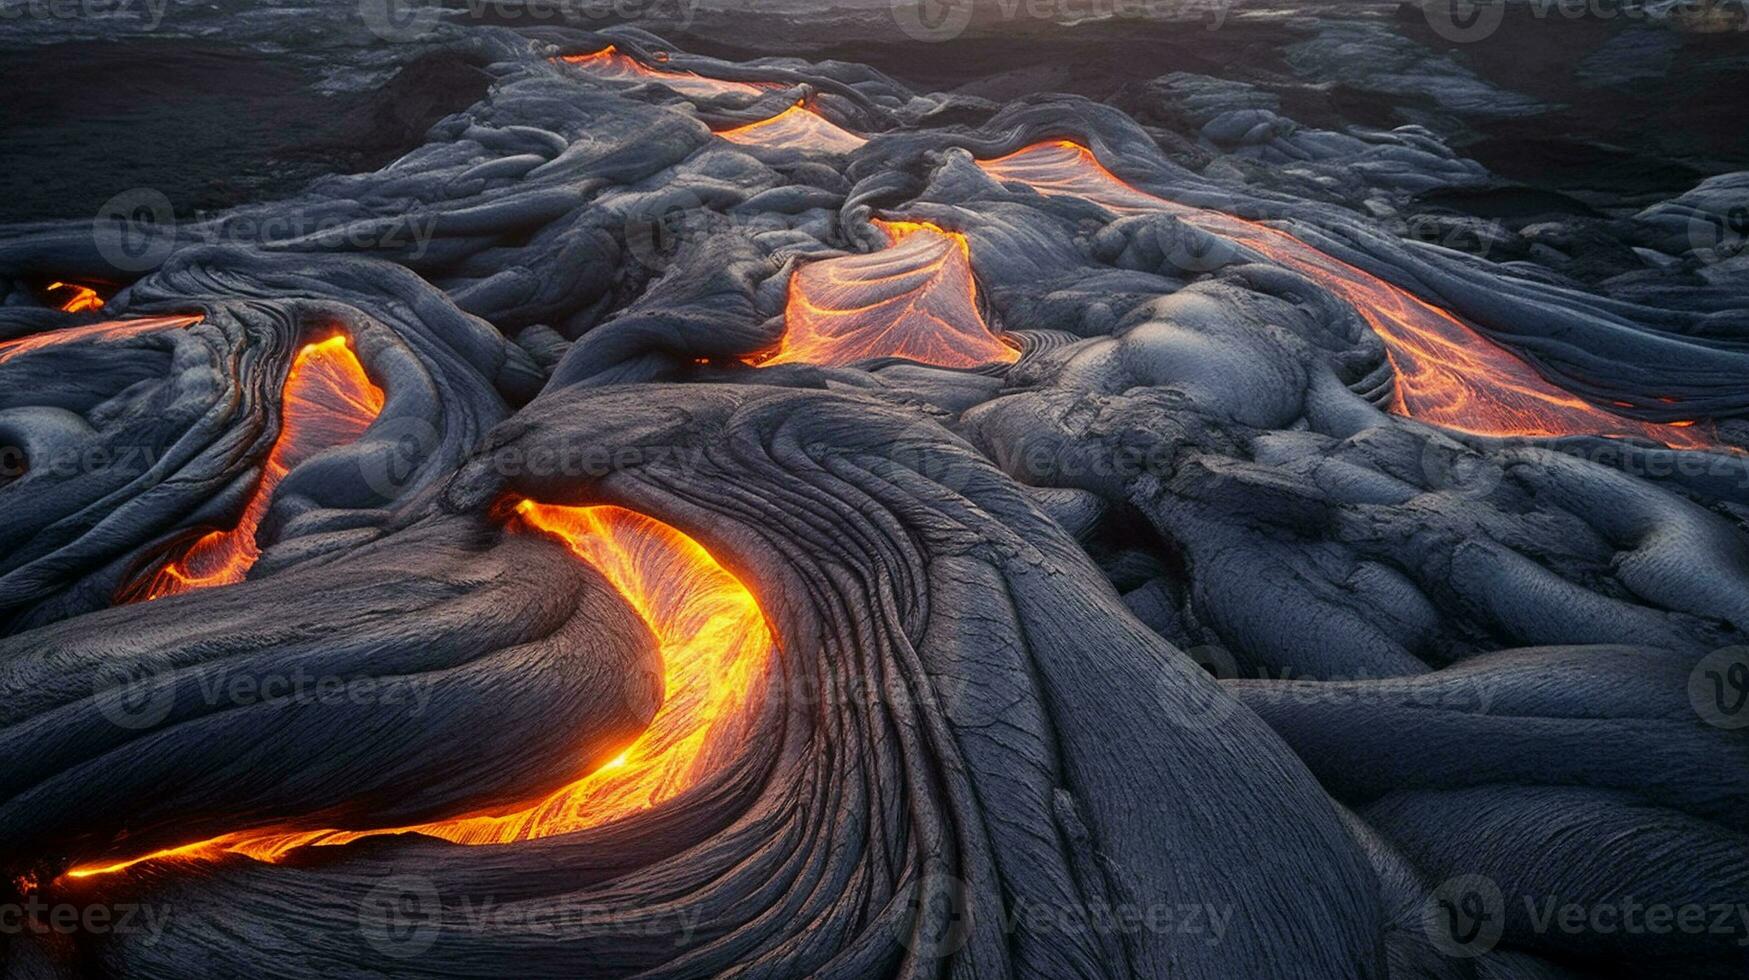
x: 695, y: 517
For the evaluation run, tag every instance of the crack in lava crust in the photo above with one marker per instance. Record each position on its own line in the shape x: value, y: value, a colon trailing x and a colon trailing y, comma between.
x: 915, y: 299
x: 328, y: 402
x: 1447, y: 373
x: 715, y: 648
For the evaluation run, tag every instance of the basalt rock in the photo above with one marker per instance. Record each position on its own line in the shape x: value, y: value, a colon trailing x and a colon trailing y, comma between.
x: 1270, y: 592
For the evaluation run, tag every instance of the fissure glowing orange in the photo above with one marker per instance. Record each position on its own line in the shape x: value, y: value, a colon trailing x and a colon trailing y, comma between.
x: 328, y: 401
x: 715, y: 647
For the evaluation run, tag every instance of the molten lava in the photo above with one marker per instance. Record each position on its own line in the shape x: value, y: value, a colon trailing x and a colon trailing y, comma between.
x: 1448, y: 374
x: 75, y: 298
x: 715, y: 649
x: 610, y: 64
x: 915, y: 299
x: 107, y: 330
x: 796, y: 128
x: 327, y: 401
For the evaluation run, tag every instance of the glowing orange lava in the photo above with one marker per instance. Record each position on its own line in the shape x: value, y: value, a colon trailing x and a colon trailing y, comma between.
x: 915, y: 299
x: 796, y: 128
x: 610, y: 64
x: 327, y: 401
x: 715, y: 648
x: 107, y: 330
x: 75, y: 298
x: 1448, y: 374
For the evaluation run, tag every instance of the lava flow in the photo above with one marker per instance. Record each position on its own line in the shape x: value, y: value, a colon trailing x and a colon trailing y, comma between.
x: 107, y: 330
x: 328, y: 401
x: 715, y: 647
x: 796, y: 128
x: 915, y: 299
x: 1447, y: 373
x: 74, y: 297
x: 609, y: 63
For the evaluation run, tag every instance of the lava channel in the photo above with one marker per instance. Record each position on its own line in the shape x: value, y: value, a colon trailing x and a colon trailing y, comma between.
x: 1448, y: 374
x: 611, y: 64
x: 327, y: 401
x: 107, y: 330
x: 796, y: 128
x: 715, y: 647
x: 915, y: 299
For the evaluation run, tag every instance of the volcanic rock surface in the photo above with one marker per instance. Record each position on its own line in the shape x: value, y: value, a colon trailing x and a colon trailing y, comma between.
x: 757, y: 517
